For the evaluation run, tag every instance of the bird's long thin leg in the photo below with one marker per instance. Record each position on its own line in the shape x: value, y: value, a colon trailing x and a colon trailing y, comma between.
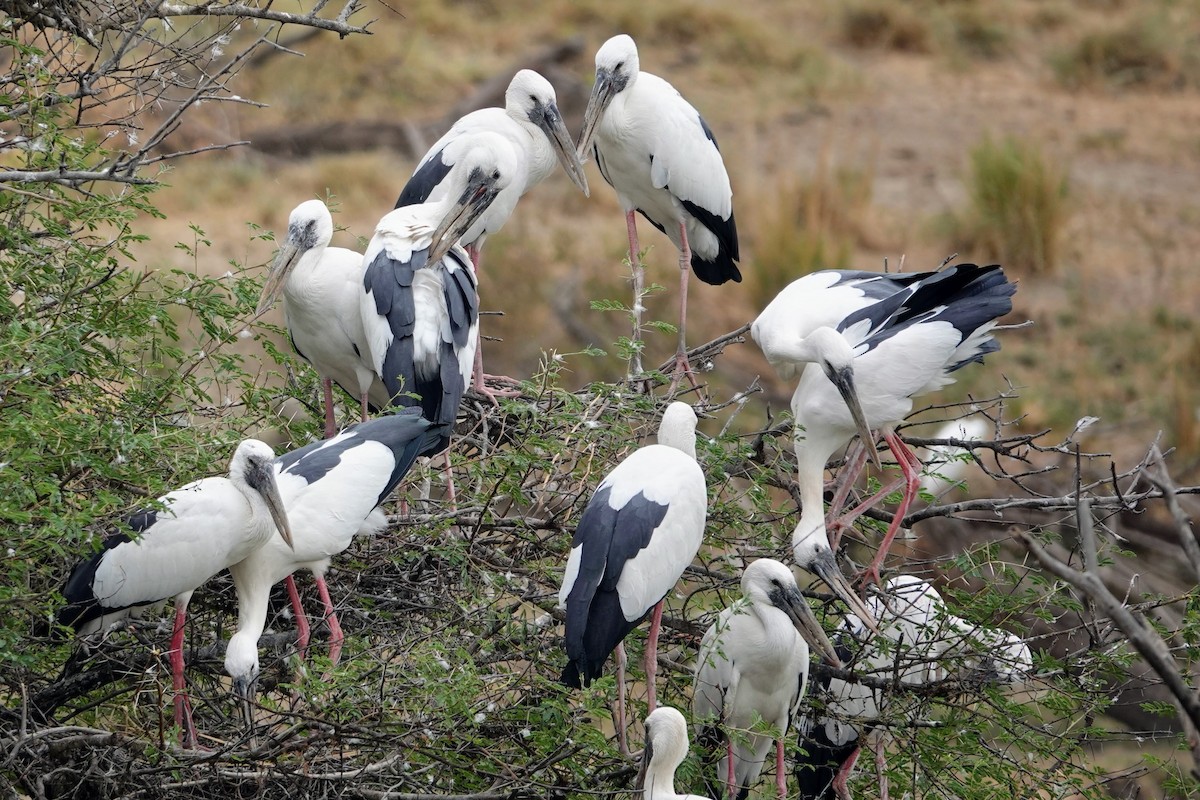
x: 652, y: 655
x: 449, y: 473
x: 845, y: 481
x: 330, y: 424
x: 478, y: 376
x: 639, y: 289
x: 910, y: 467
x: 840, y: 781
x: 183, y: 706
x: 730, y: 777
x: 620, y: 720
x: 364, y: 407
x: 336, y: 637
x: 682, y: 366
x: 881, y: 766
x: 302, y: 629
x: 780, y: 774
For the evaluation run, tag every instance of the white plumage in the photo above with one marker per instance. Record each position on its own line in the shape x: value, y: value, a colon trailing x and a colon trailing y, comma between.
x: 666, y: 748
x: 420, y: 309
x: 753, y: 665
x: 918, y: 637
x: 332, y: 490
x: 639, y: 532
x: 203, y: 528
x: 656, y: 151
x: 531, y: 122
x: 321, y: 288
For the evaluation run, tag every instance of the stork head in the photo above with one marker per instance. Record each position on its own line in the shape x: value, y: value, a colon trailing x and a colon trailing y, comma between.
x: 810, y: 546
x: 678, y: 428
x: 488, y: 166
x: 766, y: 582
x: 616, y: 69
x: 530, y: 97
x: 666, y: 748
x: 829, y: 348
x: 241, y: 664
x: 253, y: 471
x: 310, y: 227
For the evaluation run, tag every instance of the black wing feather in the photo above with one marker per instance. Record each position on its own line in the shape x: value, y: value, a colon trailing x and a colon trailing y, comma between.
x: 422, y: 183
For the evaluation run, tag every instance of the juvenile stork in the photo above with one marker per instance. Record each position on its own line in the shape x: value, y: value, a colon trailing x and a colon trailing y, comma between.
x: 420, y: 307
x: 666, y: 748
x: 907, y: 344
x: 202, y: 528
x: 321, y: 287
x: 662, y: 159
x: 919, y: 642
x: 753, y: 665
x: 639, y: 532
x: 332, y: 490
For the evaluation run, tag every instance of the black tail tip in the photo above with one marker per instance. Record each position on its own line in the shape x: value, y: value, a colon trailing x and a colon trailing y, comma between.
x: 570, y: 676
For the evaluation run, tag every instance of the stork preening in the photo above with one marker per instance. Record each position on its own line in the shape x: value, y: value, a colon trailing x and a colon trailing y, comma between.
x: 203, y: 527
x: 662, y: 159
x: 332, y: 490
x: 908, y: 343
x: 918, y: 642
x: 420, y: 308
x: 753, y: 665
x: 532, y: 125
x: 639, y: 532
x: 321, y: 287
x: 666, y: 748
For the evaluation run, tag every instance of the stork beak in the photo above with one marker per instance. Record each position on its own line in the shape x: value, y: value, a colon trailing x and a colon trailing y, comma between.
x: 560, y: 139
x: 827, y: 570
x: 243, y: 688
x: 287, y: 257
x: 263, y: 482
x: 602, y: 95
x: 639, y: 782
x: 480, y: 192
x: 843, y: 379
x: 792, y: 603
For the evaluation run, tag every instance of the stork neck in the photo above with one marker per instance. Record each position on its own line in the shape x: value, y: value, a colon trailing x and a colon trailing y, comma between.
x: 660, y: 780
x: 300, y: 282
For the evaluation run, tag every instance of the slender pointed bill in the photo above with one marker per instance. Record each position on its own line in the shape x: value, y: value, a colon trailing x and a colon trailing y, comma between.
x: 602, y: 95
x: 560, y: 139
x: 639, y: 782
x: 843, y: 379
x: 287, y: 257
x: 270, y: 493
x: 474, y: 201
x: 243, y: 690
x: 797, y: 609
x: 827, y: 570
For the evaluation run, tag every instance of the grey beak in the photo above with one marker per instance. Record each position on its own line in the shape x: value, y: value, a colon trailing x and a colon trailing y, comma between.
x: 243, y: 688
x: 796, y: 607
x: 827, y: 569
x: 479, y: 194
x: 560, y: 139
x: 285, y: 260
x: 266, y: 486
x: 602, y: 95
x: 843, y: 380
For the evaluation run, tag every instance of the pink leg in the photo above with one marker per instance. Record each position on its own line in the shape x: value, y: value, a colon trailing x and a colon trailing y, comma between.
x: 910, y: 466
x: 840, y: 780
x: 780, y: 774
x: 302, y: 629
x: 330, y: 425
x: 652, y: 655
x: 335, y: 630
x: 639, y: 288
x: 730, y: 777
x: 183, y: 707
x: 363, y: 405
x: 478, y: 377
x: 449, y: 480
x: 881, y: 767
x: 845, y: 481
x: 683, y: 367
x: 620, y: 718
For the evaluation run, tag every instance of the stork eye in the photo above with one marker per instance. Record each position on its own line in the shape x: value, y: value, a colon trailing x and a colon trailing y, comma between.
x: 496, y: 175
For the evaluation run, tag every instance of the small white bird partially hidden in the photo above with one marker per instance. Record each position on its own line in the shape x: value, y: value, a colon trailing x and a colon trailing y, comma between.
x: 753, y: 666
x: 639, y: 532
x: 919, y: 642
x: 204, y: 527
x: 662, y: 159
x: 321, y: 287
x: 666, y: 748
